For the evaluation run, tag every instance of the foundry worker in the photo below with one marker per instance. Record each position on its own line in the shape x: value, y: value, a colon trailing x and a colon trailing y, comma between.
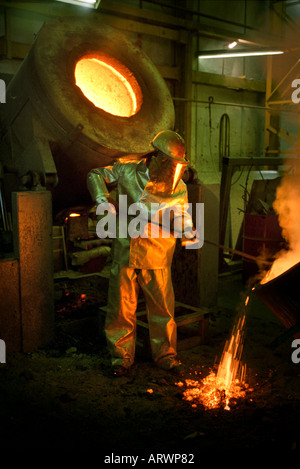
x: 144, y: 261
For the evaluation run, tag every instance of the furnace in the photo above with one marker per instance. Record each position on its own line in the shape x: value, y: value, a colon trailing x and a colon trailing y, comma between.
x: 108, y: 85
x: 84, y: 97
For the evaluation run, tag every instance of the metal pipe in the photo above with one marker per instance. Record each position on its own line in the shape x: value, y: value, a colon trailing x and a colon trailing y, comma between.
x: 251, y: 106
x: 239, y: 253
x: 3, y: 211
x: 204, y: 15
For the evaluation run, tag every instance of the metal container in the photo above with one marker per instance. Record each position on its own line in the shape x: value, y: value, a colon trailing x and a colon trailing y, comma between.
x: 53, y: 133
x: 282, y: 296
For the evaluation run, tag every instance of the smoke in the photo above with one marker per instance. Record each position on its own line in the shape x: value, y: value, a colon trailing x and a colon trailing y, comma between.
x: 287, y: 206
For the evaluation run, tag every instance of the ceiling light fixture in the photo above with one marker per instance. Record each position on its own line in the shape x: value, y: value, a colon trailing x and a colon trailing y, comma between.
x: 82, y: 3
x: 215, y: 54
x: 232, y: 44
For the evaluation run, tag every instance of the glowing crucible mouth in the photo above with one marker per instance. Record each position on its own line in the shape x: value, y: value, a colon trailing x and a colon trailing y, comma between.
x: 109, y: 86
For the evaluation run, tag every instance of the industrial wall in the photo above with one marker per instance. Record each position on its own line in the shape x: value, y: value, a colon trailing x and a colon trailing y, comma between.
x: 219, y: 103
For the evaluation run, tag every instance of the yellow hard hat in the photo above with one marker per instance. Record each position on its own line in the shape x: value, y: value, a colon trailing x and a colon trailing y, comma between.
x: 171, y: 144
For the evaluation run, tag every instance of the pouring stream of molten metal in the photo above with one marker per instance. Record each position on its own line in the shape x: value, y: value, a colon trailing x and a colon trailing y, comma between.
x: 217, y: 389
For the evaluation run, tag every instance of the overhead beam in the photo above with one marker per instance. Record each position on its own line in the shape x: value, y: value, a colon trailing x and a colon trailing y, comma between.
x: 19, y: 51
x: 56, y: 10
x: 150, y: 16
x: 225, y: 81
x: 145, y: 21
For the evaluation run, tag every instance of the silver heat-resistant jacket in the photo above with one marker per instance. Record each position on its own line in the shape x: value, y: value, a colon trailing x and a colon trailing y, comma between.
x: 141, y: 262
x: 132, y: 180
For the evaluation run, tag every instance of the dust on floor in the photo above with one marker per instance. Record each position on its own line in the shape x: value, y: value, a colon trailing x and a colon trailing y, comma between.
x: 63, y: 396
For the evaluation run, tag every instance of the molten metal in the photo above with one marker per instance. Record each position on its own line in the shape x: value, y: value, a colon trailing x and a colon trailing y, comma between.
x: 177, y: 175
x: 285, y: 261
x: 219, y: 389
x: 287, y: 206
x: 106, y: 87
x: 73, y: 215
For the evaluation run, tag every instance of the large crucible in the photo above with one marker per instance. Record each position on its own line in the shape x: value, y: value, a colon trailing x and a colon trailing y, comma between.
x: 282, y: 296
x: 84, y: 96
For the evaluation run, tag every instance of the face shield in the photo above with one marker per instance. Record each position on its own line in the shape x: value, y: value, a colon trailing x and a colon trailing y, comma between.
x: 165, y: 172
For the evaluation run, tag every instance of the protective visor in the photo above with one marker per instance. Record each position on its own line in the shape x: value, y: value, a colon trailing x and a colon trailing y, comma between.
x: 165, y: 173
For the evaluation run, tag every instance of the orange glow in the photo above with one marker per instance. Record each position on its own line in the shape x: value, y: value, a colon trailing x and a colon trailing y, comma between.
x: 230, y: 371
x: 219, y: 389
x: 177, y: 174
x: 110, y: 87
x: 72, y: 215
x: 285, y: 261
x: 287, y: 205
x: 210, y: 394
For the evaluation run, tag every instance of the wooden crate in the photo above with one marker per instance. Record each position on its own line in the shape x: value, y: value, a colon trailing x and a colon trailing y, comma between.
x: 192, y: 325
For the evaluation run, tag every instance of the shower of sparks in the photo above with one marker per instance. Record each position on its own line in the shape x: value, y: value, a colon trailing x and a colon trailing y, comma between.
x: 226, y: 385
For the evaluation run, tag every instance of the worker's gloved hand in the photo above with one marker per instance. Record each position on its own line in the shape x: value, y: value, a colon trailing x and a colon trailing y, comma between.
x: 191, y: 239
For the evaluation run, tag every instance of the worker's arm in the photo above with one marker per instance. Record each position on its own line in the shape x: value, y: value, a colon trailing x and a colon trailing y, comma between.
x: 98, y: 179
x: 183, y: 222
x: 191, y: 236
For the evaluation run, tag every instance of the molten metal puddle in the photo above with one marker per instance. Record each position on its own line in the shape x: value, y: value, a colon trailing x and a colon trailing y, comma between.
x: 223, y: 388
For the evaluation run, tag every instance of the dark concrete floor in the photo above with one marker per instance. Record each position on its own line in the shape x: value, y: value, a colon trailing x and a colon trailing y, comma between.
x: 63, y: 396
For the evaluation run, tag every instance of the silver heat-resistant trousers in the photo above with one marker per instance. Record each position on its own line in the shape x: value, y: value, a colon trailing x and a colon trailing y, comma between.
x: 120, y: 323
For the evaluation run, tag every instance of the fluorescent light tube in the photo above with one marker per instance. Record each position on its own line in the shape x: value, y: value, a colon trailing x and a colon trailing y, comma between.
x: 82, y: 3
x: 238, y: 53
